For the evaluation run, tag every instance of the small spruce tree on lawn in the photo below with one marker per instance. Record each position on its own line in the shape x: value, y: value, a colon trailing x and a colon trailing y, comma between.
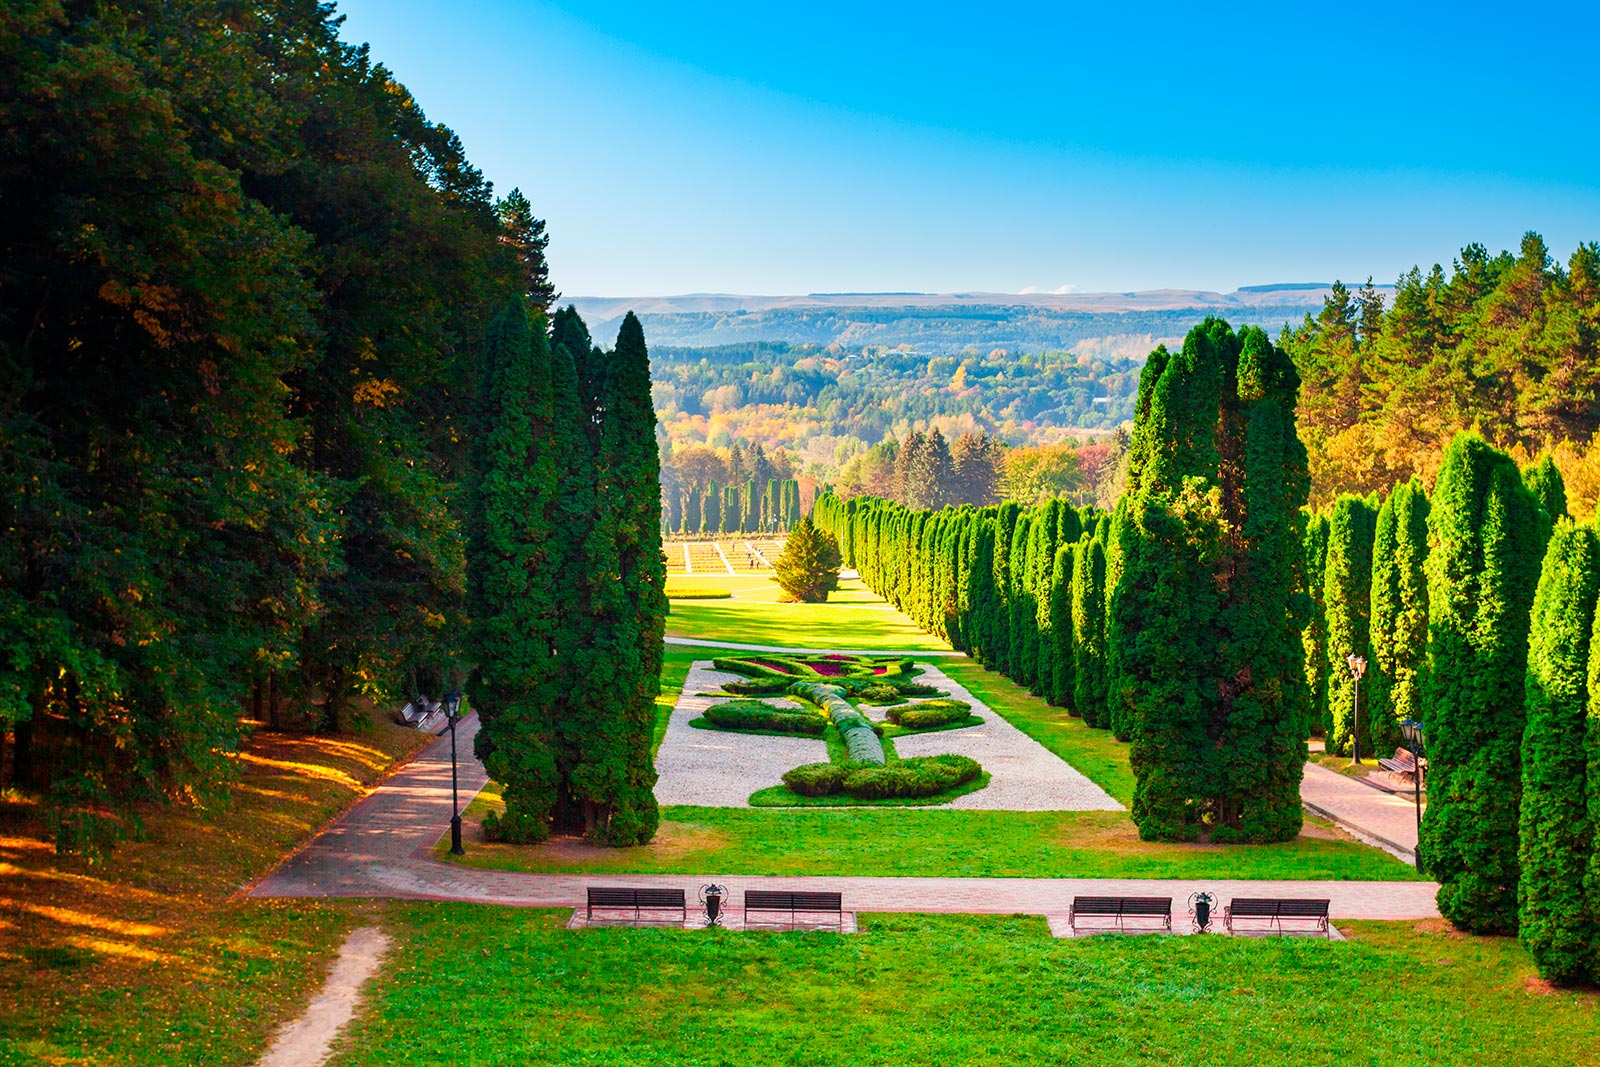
x: 808, y: 568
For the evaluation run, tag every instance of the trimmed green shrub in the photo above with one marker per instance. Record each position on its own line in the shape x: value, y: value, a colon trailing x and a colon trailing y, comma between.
x: 880, y: 695
x: 763, y: 687
x: 918, y: 689
x: 920, y: 776
x: 922, y: 717
x: 816, y: 779
x: 754, y: 715
x: 860, y: 737
x: 959, y: 708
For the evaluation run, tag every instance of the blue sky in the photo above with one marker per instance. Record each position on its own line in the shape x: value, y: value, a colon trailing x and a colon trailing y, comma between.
x: 757, y: 149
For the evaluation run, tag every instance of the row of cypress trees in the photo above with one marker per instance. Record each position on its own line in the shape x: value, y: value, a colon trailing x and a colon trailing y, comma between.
x: 738, y: 508
x: 567, y: 584
x: 1022, y: 590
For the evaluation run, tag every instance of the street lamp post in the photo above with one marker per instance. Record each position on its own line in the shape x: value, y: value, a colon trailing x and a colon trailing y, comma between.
x: 452, y: 712
x: 1358, y: 667
x: 1412, y: 730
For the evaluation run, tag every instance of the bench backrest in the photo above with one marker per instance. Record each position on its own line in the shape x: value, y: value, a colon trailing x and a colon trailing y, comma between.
x: 615, y: 897
x: 762, y: 899
x: 1268, y: 907
x: 1122, y: 905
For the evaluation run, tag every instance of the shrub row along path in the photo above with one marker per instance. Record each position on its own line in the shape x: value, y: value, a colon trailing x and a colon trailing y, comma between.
x: 711, y: 768
x: 382, y: 848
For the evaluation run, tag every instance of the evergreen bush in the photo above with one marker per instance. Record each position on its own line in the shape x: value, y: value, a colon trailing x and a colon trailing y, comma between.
x: 754, y: 715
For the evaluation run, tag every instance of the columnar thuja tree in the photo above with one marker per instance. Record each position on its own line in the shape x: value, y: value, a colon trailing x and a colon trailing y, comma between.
x: 1544, y: 481
x: 1314, y: 639
x: 1088, y: 597
x: 616, y: 785
x: 1021, y: 608
x: 1399, y: 609
x: 1063, y: 669
x: 1347, y: 602
x: 1206, y: 615
x: 1041, y: 562
x: 1556, y: 917
x: 1483, y: 562
x: 730, y: 509
x: 513, y: 560
x: 711, y: 510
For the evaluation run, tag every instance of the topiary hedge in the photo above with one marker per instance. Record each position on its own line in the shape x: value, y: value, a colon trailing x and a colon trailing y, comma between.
x: 919, y: 776
x: 754, y: 715
x: 880, y: 695
x: 930, y: 713
x: 816, y: 779
x: 764, y: 687
x: 859, y: 736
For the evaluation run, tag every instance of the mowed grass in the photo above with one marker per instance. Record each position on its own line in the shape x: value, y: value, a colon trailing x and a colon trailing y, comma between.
x: 853, y: 617
x: 923, y: 842
x: 149, y: 957
x: 487, y: 986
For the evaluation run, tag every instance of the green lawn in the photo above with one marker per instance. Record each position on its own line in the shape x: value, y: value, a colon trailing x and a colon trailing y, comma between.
x: 923, y: 842
x: 488, y: 986
x: 853, y: 617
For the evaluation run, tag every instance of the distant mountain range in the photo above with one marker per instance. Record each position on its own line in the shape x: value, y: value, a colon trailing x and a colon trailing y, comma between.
x: 1095, y: 323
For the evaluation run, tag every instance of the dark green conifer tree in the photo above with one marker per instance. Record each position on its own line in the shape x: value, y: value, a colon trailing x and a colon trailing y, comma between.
x: 1041, y: 562
x: 1483, y: 559
x: 1544, y: 481
x: 1399, y: 611
x: 692, y: 522
x: 731, y: 519
x: 1556, y: 917
x: 1206, y: 615
x: 1347, y: 601
x: 985, y: 598
x: 1024, y: 638
x: 617, y: 779
x: 998, y: 640
x: 1089, y: 630
x: 1314, y: 638
x: 515, y: 603
x: 1063, y: 672
x: 711, y: 510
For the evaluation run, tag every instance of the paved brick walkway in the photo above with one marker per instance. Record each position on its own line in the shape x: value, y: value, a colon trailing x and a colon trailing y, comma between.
x: 383, y: 848
x: 1386, y: 818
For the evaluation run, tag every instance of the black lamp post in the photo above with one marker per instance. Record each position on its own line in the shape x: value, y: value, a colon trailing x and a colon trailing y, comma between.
x: 1358, y: 667
x: 452, y: 712
x: 1412, y: 730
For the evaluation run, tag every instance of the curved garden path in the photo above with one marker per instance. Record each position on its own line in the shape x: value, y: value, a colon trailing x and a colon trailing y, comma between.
x: 383, y: 847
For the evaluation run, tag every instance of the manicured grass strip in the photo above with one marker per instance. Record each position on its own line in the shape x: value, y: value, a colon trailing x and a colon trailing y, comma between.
x: 674, y: 670
x: 1095, y: 753
x: 147, y: 957
x: 781, y: 796
x: 953, y: 990
x: 853, y: 617
x: 933, y: 843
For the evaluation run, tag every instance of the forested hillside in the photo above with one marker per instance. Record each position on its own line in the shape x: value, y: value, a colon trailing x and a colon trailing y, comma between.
x: 1508, y: 344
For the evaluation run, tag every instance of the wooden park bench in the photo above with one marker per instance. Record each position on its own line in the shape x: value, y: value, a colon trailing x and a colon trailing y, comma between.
x: 767, y: 901
x: 1121, y: 909
x: 1402, y: 763
x: 638, y: 901
x: 1275, y: 911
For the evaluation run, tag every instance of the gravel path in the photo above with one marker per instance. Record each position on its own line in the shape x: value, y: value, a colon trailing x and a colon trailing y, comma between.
x: 1023, y: 774
x: 717, y: 769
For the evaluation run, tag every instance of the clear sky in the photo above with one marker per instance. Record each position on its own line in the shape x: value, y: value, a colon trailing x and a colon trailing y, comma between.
x: 764, y: 148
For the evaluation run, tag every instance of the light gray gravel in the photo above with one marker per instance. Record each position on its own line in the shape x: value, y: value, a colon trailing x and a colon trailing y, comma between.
x: 715, y: 769
x: 1023, y: 774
